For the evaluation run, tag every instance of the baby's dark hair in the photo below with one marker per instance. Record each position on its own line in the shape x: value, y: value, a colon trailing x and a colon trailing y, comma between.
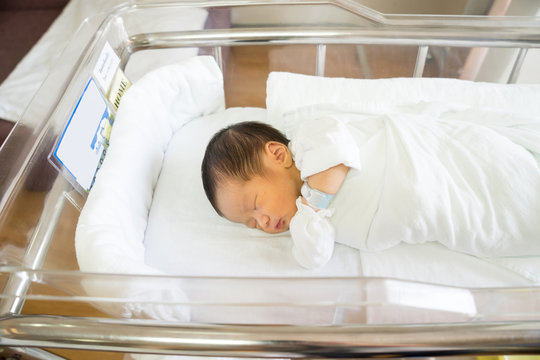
x: 235, y: 153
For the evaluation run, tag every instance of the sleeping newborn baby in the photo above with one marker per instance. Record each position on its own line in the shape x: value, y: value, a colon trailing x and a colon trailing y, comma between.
x: 373, y: 181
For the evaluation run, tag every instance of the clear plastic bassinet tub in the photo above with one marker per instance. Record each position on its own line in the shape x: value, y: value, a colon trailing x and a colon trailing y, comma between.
x: 45, y: 300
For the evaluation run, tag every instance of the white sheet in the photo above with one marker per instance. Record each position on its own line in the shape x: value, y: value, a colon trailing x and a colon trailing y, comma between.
x: 147, y: 212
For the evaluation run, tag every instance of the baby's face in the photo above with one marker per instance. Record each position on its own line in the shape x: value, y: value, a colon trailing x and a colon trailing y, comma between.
x: 267, y: 203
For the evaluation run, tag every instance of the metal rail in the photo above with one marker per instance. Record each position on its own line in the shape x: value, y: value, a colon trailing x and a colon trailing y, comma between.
x: 420, y: 61
x: 517, y: 65
x: 36, y: 251
x: 272, y: 341
x: 488, y: 36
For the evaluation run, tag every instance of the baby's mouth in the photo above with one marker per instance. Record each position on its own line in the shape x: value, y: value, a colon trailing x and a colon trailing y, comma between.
x: 280, y: 224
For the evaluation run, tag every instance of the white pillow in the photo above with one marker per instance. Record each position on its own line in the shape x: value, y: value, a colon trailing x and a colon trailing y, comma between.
x: 110, y: 231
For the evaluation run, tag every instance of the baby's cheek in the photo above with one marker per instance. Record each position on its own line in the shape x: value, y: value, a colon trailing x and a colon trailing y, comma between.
x: 252, y: 224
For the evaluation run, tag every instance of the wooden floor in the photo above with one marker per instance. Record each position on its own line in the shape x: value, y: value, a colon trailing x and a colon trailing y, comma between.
x: 245, y: 76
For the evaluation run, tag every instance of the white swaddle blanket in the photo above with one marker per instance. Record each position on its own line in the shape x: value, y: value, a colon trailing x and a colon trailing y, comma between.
x: 463, y: 174
x: 425, y: 178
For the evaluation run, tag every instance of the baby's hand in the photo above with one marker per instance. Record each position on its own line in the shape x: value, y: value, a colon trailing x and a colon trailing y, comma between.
x: 313, y: 235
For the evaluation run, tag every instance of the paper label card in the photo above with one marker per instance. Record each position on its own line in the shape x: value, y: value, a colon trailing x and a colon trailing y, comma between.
x: 119, y: 86
x: 82, y: 145
x: 105, y: 68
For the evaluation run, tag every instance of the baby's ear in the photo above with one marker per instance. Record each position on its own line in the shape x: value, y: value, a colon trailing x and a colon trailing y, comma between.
x: 278, y: 152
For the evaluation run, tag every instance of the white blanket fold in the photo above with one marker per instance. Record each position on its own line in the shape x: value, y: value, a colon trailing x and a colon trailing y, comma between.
x: 463, y: 185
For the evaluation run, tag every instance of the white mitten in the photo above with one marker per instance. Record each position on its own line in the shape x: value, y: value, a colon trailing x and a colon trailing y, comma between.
x: 313, y: 235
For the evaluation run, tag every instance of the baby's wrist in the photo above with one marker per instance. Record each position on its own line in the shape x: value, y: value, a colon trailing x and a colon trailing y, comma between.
x: 316, y: 199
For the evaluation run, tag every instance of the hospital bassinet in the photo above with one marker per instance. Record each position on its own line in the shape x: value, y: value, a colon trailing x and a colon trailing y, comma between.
x: 44, y: 303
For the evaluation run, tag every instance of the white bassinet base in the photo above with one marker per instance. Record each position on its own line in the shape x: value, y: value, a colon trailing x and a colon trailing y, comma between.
x: 147, y: 212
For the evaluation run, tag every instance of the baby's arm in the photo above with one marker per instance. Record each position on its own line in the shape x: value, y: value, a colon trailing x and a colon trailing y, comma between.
x: 328, y: 181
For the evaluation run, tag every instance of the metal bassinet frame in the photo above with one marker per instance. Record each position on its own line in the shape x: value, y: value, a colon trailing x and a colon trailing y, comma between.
x: 515, y: 333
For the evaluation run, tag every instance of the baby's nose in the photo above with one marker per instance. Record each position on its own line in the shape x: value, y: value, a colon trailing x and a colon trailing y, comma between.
x: 263, y: 221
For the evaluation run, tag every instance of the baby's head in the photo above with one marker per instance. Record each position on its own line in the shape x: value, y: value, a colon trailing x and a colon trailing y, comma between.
x: 249, y: 176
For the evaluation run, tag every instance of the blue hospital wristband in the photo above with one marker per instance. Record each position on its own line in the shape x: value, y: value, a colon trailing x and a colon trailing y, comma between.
x: 316, y: 198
